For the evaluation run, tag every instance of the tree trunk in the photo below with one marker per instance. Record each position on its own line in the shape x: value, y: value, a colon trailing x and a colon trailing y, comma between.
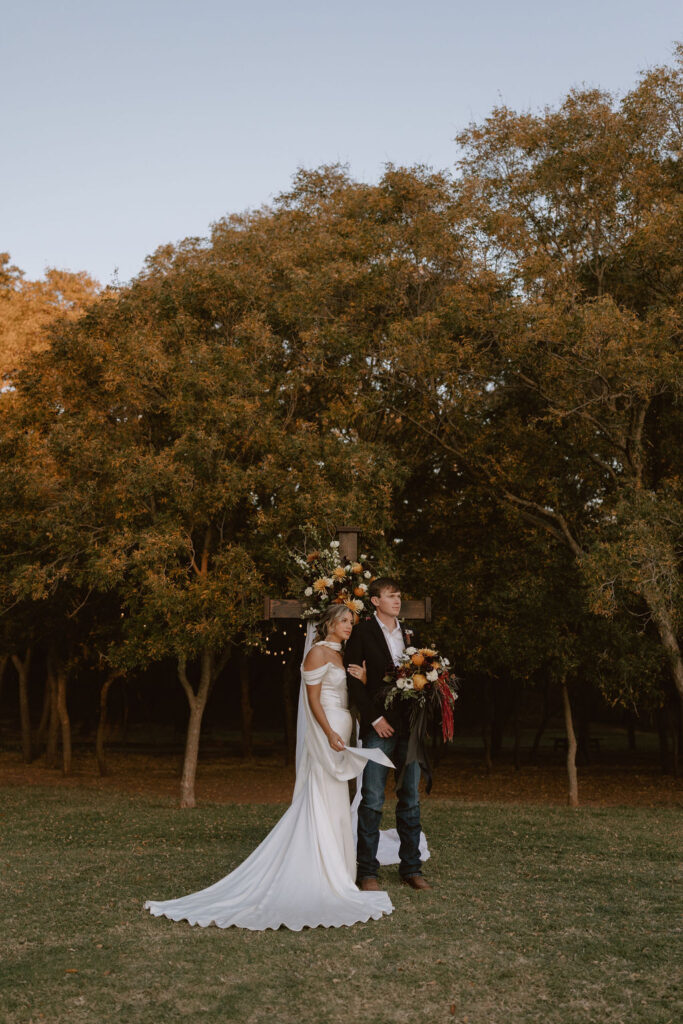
x: 515, y: 724
x: 631, y: 731
x: 290, y: 674
x: 571, y: 747
x: 63, y: 713
x: 4, y: 661
x: 486, y: 726
x: 197, y: 703
x: 247, y: 710
x: 498, y: 717
x: 53, y: 727
x: 533, y: 753
x: 675, y: 749
x: 102, y: 724
x: 663, y: 736
x: 45, y: 715
x: 125, y: 708
x: 23, y: 668
x: 584, y: 735
x: 667, y: 634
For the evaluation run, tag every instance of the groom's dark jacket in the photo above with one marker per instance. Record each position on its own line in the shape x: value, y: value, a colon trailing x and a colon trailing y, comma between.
x: 368, y: 644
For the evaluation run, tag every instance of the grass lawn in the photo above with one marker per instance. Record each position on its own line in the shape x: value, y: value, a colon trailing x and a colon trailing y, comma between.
x: 539, y: 915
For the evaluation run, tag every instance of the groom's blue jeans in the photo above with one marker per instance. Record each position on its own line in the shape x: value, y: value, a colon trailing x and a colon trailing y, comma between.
x: 372, y: 802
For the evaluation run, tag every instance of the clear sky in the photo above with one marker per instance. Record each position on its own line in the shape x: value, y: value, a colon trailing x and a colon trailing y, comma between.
x: 127, y: 124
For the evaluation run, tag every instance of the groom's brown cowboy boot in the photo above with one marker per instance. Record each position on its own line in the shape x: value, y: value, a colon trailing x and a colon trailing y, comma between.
x: 369, y: 884
x: 416, y: 882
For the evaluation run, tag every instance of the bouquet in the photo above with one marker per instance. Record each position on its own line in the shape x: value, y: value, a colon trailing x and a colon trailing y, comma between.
x: 423, y: 682
x: 424, y: 678
x: 329, y: 580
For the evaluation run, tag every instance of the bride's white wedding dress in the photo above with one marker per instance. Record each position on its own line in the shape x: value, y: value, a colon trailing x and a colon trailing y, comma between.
x: 302, y: 874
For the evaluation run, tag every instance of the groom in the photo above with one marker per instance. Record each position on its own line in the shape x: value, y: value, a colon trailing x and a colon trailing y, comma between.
x: 374, y: 647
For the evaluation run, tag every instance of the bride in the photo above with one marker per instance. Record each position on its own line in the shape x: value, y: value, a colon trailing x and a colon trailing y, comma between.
x: 302, y: 874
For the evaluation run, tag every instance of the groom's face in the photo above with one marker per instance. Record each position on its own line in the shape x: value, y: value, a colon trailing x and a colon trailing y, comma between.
x: 388, y: 602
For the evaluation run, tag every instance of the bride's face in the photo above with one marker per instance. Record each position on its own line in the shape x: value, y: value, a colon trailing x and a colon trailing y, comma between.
x: 341, y: 630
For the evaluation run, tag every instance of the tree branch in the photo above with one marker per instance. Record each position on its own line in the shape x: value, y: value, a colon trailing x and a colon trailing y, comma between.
x: 560, y: 529
x: 185, y: 682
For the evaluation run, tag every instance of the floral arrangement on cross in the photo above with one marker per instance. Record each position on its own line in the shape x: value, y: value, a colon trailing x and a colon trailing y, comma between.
x: 327, y: 579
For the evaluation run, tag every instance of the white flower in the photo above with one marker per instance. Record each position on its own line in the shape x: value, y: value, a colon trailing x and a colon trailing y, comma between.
x: 408, y: 686
x: 308, y: 591
x: 401, y: 684
x: 334, y: 543
x: 363, y: 557
x: 367, y: 574
x: 363, y: 587
x: 358, y: 606
x: 347, y: 567
x: 446, y: 662
x: 432, y: 676
x: 328, y: 581
x: 411, y: 650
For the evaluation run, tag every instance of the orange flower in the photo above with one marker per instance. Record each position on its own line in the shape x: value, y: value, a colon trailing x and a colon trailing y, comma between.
x: 320, y: 584
x: 313, y: 555
x: 418, y: 658
x: 428, y: 652
x: 356, y: 567
x: 350, y: 605
x: 358, y: 591
x: 419, y: 681
x: 340, y: 572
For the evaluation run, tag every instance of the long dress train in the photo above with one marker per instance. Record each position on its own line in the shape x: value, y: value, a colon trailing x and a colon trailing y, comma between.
x: 302, y: 874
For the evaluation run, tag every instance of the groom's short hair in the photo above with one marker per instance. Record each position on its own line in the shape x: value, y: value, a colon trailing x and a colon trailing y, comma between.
x: 383, y: 583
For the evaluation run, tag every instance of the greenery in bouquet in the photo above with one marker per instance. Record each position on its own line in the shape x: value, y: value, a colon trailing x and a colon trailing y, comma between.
x: 325, y: 578
x: 424, y: 682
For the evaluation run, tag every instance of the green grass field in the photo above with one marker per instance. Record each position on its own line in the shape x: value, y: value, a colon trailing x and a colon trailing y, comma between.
x: 538, y: 915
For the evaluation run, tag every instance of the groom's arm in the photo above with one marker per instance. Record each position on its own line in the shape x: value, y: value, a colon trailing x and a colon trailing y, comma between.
x: 353, y: 655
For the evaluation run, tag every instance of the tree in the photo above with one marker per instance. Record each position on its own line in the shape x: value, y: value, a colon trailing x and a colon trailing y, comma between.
x: 184, y: 466
x: 28, y: 307
x: 550, y: 373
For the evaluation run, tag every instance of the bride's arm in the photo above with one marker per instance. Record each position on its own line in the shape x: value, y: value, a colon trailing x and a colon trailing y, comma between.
x: 333, y: 738
x: 315, y: 659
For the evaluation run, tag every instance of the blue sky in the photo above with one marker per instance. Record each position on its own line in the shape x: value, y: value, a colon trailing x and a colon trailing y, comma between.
x: 128, y: 125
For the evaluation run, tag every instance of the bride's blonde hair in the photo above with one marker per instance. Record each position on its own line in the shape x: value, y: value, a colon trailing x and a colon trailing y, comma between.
x: 328, y: 619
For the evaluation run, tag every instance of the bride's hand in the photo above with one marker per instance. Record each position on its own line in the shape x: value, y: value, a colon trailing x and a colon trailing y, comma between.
x: 359, y: 673
x: 335, y: 741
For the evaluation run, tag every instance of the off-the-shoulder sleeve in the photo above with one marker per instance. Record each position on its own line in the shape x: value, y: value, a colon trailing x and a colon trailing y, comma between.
x: 314, y: 676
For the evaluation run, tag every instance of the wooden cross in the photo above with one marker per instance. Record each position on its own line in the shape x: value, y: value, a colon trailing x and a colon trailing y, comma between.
x: 281, y: 608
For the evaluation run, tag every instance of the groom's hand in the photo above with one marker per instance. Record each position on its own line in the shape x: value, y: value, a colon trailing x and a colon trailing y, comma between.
x: 382, y: 728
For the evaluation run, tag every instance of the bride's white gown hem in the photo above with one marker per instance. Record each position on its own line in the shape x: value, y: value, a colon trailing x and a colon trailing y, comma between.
x: 303, y: 873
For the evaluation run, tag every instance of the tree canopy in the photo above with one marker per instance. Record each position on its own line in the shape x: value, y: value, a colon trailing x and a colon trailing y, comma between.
x: 480, y: 369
